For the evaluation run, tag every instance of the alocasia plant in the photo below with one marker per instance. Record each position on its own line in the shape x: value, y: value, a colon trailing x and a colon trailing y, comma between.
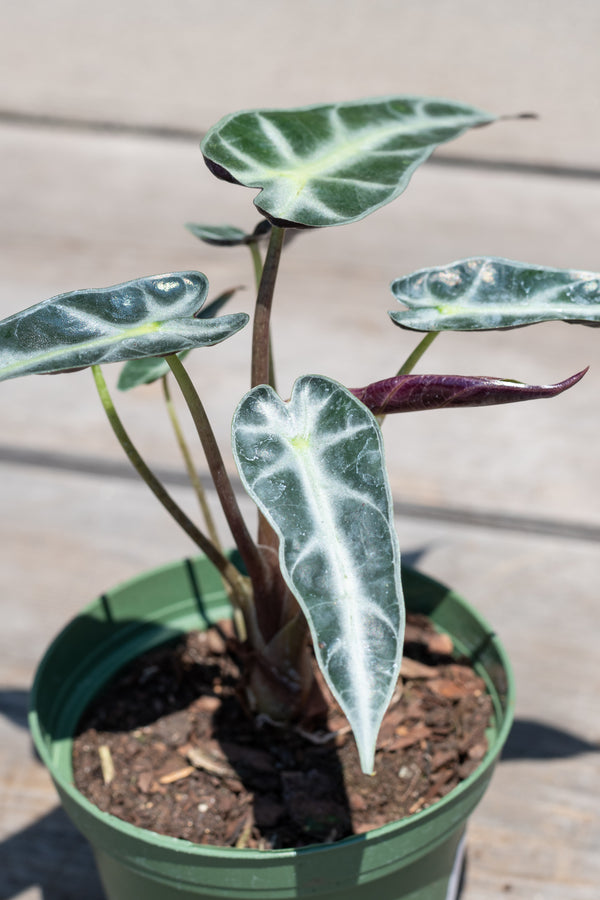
x: 321, y: 580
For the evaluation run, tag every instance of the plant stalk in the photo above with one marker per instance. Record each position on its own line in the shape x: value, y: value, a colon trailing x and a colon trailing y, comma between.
x: 262, y: 314
x: 227, y: 569
x: 411, y: 361
x: 257, y: 262
x: 262, y: 355
x: 258, y: 270
x: 250, y: 553
x: 190, y: 467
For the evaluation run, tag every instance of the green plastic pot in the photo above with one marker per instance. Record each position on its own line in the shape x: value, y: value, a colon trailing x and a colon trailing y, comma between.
x: 412, y: 859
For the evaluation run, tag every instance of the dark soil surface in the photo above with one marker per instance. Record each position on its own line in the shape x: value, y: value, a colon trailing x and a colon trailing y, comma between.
x: 168, y: 747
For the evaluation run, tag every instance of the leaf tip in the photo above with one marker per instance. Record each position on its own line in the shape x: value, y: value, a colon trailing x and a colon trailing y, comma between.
x: 574, y: 379
x: 522, y: 115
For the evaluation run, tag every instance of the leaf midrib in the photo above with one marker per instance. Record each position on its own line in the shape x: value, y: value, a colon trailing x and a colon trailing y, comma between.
x: 138, y: 331
x: 320, y: 505
x: 523, y: 307
x: 324, y: 161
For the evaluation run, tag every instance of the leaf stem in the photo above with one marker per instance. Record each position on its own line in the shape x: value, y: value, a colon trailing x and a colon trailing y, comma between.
x: 411, y: 361
x: 253, y: 560
x: 189, y: 465
x: 225, y: 567
x: 262, y: 313
x: 263, y: 371
x: 258, y: 270
x: 257, y: 262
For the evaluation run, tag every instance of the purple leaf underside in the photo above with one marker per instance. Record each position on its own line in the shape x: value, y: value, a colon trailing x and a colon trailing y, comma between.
x: 410, y: 393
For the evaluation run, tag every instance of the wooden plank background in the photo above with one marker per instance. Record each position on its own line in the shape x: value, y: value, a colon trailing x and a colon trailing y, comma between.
x: 101, y: 110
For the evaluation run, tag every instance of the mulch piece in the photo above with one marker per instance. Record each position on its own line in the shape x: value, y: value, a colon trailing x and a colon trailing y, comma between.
x: 168, y: 748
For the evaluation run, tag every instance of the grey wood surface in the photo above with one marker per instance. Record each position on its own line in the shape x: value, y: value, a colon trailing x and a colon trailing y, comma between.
x: 535, y: 834
x: 183, y: 64
x: 504, y: 504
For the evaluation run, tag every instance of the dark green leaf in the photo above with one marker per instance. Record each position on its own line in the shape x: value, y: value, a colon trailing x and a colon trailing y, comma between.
x: 228, y: 235
x: 315, y: 468
x: 152, y: 316
x: 487, y: 293
x: 333, y: 163
x: 136, y: 372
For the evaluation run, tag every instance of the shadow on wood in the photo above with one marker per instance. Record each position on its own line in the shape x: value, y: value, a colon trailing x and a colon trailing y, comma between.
x: 50, y: 854
x: 14, y: 704
x: 535, y: 740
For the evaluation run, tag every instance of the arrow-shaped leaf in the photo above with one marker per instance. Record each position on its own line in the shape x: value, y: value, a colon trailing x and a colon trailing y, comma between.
x: 149, y: 369
x: 146, y: 317
x: 336, y: 162
x: 487, y: 293
x: 315, y: 468
x: 410, y: 393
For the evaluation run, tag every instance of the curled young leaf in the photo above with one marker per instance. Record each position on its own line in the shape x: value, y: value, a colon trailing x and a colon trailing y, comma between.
x: 410, y: 393
x: 315, y: 468
x: 486, y: 293
x: 152, y: 316
x: 333, y: 163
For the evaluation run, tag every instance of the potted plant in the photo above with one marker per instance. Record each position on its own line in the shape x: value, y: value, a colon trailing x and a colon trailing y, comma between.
x: 318, y: 596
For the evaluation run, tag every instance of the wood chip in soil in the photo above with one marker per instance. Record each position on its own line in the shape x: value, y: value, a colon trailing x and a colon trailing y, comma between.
x: 188, y: 762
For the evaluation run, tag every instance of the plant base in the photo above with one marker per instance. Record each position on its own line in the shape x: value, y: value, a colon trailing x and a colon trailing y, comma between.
x: 412, y: 859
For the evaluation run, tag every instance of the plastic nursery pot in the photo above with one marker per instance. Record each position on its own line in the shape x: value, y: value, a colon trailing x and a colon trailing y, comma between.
x: 412, y: 859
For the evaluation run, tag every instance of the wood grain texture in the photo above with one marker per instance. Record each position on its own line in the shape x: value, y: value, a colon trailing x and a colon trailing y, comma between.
x: 185, y: 65
x: 536, y: 832
x: 87, y: 211
x: 85, y: 208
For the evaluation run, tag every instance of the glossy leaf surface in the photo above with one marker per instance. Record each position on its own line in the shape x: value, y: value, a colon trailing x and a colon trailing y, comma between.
x: 315, y: 468
x: 136, y: 372
x: 411, y: 393
x: 485, y: 293
x: 146, y: 317
x: 333, y: 163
